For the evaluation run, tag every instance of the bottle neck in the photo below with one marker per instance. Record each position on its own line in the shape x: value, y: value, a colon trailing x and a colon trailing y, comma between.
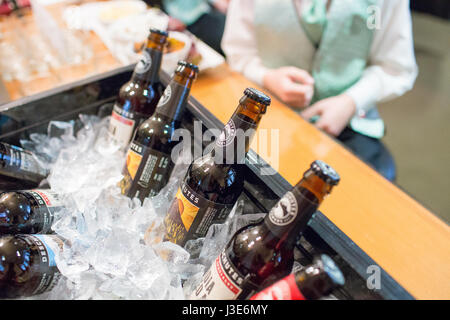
x: 172, y: 103
x: 290, y: 216
x: 251, y: 109
x: 148, y: 66
x: 237, y: 135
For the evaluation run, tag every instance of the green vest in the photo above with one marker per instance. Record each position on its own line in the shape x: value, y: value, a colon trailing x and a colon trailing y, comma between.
x: 188, y: 11
x: 341, y: 40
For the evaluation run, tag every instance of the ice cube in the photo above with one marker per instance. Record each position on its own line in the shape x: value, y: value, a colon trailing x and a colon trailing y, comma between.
x: 194, y: 247
x: 171, y: 253
x: 114, y: 246
x: 111, y: 254
x: 144, y: 272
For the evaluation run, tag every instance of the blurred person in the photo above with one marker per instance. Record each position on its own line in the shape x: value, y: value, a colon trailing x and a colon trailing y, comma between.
x: 330, y: 61
x: 204, y: 18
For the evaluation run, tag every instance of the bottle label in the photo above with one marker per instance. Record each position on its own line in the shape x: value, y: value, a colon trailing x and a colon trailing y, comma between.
x: 47, y: 245
x: 291, y: 214
x: 221, y: 282
x: 30, y: 164
x: 232, y: 128
x: 172, y: 101
x: 121, y: 125
x: 191, y: 215
x: 144, y: 64
x: 227, y: 135
x: 234, y: 140
x: 146, y: 171
x: 285, y: 211
x: 49, y: 202
x: 166, y: 96
x: 285, y: 289
x: 21, y: 160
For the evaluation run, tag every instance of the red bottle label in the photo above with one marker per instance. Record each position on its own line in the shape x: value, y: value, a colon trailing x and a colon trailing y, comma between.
x: 285, y: 289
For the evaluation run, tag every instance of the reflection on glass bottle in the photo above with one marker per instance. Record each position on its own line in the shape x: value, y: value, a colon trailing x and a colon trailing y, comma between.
x: 149, y: 162
x: 28, y: 211
x: 262, y: 253
x: 19, y: 168
x: 311, y: 283
x: 138, y: 97
x: 213, y: 182
x: 27, y: 264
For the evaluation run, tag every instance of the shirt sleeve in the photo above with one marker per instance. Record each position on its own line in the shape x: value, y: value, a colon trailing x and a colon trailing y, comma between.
x: 239, y: 42
x: 392, y: 67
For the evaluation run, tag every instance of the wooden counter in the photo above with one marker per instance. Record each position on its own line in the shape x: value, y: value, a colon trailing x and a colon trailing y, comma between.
x: 403, y: 237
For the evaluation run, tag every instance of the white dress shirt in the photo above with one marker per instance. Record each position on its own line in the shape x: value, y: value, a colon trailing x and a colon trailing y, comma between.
x: 391, y: 69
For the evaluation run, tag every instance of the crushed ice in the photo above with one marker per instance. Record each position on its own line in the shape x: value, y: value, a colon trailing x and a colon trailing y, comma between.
x: 114, y: 247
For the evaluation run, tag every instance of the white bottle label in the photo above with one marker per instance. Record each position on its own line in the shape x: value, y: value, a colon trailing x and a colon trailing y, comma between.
x: 144, y: 63
x: 165, y: 97
x: 121, y: 127
x: 220, y: 282
x: 30, y: 164
x: 51, y: 199
x: 284, y: 211
x: 50, y: 202
x: 48, y: 246
x: 53, y: 245
x: 227, y: 135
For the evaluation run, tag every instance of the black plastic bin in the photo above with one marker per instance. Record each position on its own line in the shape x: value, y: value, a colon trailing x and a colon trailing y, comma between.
x: 18, y: 119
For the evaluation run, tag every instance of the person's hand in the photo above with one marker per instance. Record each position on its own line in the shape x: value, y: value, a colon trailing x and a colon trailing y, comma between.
x: 335, y: 113
x: 292, y: 85
x: 221, y: 5
x: 175, y: 25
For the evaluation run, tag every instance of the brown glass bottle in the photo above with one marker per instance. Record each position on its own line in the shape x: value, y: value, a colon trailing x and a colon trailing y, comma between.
x: 149, y: 162
x: 214, y: 181
x: 138, y: 97
x: 27, y: 264
x: 311, y: 283
x: 19, y: 168
x: 262, y: 253
x: 28, y: 211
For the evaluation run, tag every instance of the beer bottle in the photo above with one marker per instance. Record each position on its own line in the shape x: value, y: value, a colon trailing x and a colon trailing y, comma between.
x: 314, y: 282
x: 213, y: 182
x: 27, y: 264
x: 19, y: 168
x: 28, y: 212
x: 138, y: 97
x: 149, y: 162
x: 262, y: 253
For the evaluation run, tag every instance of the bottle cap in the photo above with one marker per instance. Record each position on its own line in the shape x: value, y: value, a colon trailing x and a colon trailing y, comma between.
x: 161, y: 32
x: 319, y: 278
x: 325, y: 172
x: 331, y: 269
x: 257, y: 96
x: 189, y: 65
